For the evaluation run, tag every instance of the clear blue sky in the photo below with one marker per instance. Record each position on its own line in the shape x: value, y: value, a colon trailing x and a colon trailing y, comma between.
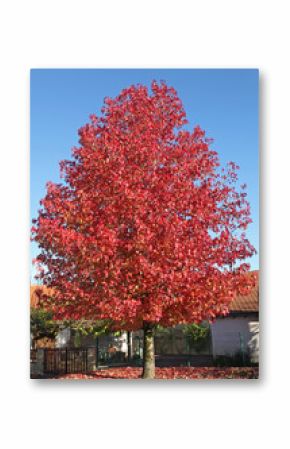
x: 223, y: 102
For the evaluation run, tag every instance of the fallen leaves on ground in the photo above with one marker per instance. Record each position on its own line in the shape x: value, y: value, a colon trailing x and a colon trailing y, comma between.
x: 169, y: 373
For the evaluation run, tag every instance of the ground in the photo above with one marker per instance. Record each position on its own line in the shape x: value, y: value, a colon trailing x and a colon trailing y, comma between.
x: 169, y: 373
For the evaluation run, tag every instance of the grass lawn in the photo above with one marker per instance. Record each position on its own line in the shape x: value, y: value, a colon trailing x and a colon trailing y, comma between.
x: 169, y: 373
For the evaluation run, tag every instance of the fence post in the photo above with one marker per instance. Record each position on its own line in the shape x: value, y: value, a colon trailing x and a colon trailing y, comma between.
x: 37, y: 367
x: 242, y: 347
x: 97, y: 352
x: 129, y: 345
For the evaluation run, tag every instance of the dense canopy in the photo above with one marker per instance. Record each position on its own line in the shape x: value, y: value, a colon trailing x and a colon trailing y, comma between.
x: 146, y: 226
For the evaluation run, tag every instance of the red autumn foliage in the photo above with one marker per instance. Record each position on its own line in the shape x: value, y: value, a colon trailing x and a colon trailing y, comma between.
x: 146, y: 226
x: 169, y: 373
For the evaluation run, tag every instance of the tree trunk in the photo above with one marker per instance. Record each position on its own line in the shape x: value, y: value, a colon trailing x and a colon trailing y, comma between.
x: 149, y: 352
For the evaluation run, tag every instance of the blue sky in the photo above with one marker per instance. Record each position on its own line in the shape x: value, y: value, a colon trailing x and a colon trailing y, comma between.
x: 223, y: 102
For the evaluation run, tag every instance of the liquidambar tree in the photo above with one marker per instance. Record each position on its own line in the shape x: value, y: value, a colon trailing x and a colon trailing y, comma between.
x: 146, y: 228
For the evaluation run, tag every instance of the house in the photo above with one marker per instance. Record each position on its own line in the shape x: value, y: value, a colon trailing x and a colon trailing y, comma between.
x: 238, y: 332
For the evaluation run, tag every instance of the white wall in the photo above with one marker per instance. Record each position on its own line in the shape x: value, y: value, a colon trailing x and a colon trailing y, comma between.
x: 62, y: 338
x: 232, y: 334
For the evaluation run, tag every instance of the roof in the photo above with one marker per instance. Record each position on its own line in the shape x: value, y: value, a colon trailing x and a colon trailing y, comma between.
x: 248, y: 303
x: 35, y: 292
x: 240, y: 304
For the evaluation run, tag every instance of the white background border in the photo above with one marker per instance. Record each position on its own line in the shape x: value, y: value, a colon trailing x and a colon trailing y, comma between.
x: 204, y: 34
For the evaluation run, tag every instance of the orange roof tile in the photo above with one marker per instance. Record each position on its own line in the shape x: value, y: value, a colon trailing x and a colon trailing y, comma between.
x: 249, y: 303
x: 35, y: 293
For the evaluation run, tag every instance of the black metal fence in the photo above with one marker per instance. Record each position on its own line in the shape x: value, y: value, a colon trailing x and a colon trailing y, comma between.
x: 109, y: 351
x: 64, y: 360
x: 82, y: 360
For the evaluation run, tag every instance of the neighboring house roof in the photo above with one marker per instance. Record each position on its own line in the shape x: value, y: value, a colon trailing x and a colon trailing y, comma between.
x: 240, y: 304
x: 248, y: 303
x: 35, y: 293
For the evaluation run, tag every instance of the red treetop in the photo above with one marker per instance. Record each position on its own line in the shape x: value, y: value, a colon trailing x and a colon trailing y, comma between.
x: 146, y: 226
